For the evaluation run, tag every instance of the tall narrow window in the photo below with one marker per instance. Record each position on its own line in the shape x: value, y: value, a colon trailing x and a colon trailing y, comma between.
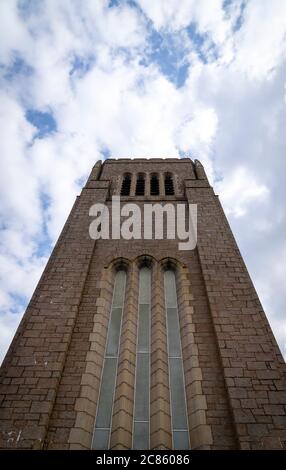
x: 141, y: 423
x: 169, y: 185
x: 179, y: 419
x: 154, y: 189
x: 126, y: 185
x: 140, y: 185
x: 102, y: 430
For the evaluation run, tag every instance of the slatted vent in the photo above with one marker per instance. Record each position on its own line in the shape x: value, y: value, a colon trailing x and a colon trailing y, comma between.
x: 140, y: 186
x: 154, y: 186
x: 126, y: 185
x: 169, y: 185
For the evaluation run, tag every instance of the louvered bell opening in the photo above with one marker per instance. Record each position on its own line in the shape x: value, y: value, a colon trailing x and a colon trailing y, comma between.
x: 169, y: 186
x: 140, y: 186
x: 154, y: 186
x: 125, y: 188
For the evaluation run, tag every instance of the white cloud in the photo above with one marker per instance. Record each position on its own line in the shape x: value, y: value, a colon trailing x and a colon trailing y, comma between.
x: 274, y: 262
x: 18, y: 184
x: 208, y: 16
x: 10, y: 21
x: 260, y: 43
x: 197, y: 135
x: 240, y: 190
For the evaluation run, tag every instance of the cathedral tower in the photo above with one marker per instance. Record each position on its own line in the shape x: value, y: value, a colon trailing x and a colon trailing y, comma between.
x: 137, y: 344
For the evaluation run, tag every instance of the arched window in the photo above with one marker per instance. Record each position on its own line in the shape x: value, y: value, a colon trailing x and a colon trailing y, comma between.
x: 101, y: 438
x: 169, y: 185
x: 140, y: 185
x: 141, y: 421
x: 126, y: 185
x: 180, y: 433
x: 154, y: 183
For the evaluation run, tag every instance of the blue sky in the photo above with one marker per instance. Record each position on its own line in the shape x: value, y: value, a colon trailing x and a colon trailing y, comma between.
x: 85, y: 80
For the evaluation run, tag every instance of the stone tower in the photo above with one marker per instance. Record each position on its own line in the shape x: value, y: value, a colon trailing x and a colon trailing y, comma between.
x: 137, y: 344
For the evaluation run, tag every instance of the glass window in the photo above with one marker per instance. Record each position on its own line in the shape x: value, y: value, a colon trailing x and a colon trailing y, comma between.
x: 178, y: 403
x: 105, y: 402
x: 101, y: 439
x: 142, y: 388
x: 143, y: 328
x: 174, y: 338
x: 179, y: 418
x: 181, y: 440
x: 141, y: 424
x: 114, y: 328
x: 141, y: 435
x: 103, y: 418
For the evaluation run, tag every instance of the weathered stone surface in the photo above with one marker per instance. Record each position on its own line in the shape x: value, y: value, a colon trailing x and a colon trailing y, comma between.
x: 234, y: 372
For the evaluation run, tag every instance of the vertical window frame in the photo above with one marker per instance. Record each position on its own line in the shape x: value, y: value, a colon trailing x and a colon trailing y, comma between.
x: 107, y: 357
x: 171, y: 357
x: 136, y: 421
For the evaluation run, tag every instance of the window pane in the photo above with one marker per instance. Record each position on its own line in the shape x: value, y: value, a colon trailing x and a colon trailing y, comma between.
x: 105, y: 402
x: 179, y: 416
x: 100, y: 439
x: 114, y: 332
x: 143, y: 328
x: 119, y: 289
x: 142, y: 380
x: 174, y: 333
x: 144, y: 286
x: 181, y: 440
x: 106, y: 393
x: 170, y: 289
x: 141, y: 436
x: 176, y: 371
x: 142, y: 388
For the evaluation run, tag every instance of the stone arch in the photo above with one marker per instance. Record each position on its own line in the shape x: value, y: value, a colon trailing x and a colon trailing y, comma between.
x: 170, y: 263
x: 119, y: 263
x: 144, y: 260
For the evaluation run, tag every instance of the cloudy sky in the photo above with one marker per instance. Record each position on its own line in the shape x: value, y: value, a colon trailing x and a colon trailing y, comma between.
x: 82, y: 80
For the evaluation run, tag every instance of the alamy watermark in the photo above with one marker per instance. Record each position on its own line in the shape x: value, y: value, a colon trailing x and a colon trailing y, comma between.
x: 108, y: 223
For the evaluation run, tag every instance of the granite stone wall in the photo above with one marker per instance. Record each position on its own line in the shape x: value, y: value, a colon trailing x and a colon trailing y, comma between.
x: 234, y: 371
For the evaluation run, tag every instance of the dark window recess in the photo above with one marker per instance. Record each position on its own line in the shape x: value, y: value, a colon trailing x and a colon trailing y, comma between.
x: 140, y: 186
x: 126, y: 185
x: 154, y: 186
x: 169, y: 186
